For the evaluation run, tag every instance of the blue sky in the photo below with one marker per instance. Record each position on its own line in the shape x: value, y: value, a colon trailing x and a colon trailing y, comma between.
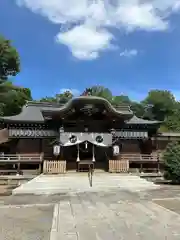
x: 128, y: 47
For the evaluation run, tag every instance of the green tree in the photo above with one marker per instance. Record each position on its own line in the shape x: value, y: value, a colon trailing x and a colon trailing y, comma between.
x: 9, y: 59
x: 99, y: 91
x: 172, y: 162
x: 48, y: 99
x: 138, y: 109
x: 9, y: 66
x: 172, y: 122
x: 162, y: 104
x: 61, y: 98
x: 15, y: 100
x: 116, y: 100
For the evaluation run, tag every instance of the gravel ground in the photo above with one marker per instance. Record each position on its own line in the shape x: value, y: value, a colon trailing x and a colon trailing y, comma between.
x: 25, y: 223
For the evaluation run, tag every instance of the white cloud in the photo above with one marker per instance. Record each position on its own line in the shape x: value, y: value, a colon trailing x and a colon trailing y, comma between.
x: 85, y: 42
x: 88, y: 21
x: 129, y: 53
x: 141, y: 16
x: 75, y: 92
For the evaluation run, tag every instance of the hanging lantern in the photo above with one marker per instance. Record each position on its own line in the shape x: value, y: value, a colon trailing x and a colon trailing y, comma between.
x: 56, y: 150
x: 115, y: 150
x: 61, y: 130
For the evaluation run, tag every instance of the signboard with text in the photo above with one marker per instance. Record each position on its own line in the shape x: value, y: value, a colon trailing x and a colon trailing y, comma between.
x: 32, y: 133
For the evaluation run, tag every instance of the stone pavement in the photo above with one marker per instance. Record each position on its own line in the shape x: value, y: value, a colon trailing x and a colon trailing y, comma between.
x: 26, y: 222
x: 99, y: 214
x: 89, y: 217
x: 54, y: 184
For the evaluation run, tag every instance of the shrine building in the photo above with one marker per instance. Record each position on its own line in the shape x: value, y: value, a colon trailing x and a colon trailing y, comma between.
x: 86, y: 128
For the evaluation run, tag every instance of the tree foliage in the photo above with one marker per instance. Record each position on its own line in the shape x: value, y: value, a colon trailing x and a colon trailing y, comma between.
x: 172, y: 122
x: 19, y: 97
x: 161, y: 104
x: 64, y: 97
x: 99, y: 91
x: 12, y: 98
x: 9, y: 59
x: 172, y: 162
x: 61, y: 98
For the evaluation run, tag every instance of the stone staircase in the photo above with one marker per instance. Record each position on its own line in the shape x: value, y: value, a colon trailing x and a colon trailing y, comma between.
x: 69, y: 183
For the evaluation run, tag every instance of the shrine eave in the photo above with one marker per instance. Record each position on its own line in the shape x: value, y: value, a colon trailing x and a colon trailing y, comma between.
x: 122, y: 110
x: 28, y: 115
x: 140, y: 121
x: 34, y: 111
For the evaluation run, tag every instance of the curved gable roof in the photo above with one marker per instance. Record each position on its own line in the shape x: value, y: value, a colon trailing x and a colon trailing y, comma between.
x: 33, y: 111
x: 120, y: 110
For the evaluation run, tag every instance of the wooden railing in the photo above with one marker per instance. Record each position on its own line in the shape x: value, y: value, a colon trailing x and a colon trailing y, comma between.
x: 141, y: 157
x: 123, y: 163
x: 13, y: 163
x: 36, y: 157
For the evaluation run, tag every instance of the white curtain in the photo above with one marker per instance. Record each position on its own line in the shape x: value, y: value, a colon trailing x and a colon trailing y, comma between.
x: 89, y: 137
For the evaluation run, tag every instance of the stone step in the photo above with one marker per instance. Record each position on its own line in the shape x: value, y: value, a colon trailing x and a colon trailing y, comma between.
x: 54, y: 184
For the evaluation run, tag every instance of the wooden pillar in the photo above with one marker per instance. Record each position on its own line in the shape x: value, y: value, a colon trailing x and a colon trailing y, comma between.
x: 19, y: 165
x: 141, y: 167
x: 42, y: 156
x: 157, y: 154
x: 16, y: 145
x: 40, y: 167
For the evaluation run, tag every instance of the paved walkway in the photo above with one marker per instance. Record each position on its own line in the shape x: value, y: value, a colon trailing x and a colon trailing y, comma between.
x: 26, y: 222
x: 49, y: 184
x: 90, y: 217
x: 133, y: 210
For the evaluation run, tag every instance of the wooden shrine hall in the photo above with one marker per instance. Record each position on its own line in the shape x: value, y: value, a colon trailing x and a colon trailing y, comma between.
x: 58, y: 138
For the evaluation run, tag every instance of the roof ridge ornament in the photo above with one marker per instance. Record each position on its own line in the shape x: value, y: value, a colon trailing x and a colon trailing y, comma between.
x: 87, y: 92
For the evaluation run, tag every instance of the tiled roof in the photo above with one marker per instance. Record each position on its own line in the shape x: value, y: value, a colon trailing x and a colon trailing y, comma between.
x: 136, y: 120
x: 28, y: 114
x: 33, y: 111
x: 169, y: 134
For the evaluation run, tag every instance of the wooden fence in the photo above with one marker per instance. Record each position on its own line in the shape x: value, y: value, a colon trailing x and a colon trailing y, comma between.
x: 118, y: 166
x: 54, y: 166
